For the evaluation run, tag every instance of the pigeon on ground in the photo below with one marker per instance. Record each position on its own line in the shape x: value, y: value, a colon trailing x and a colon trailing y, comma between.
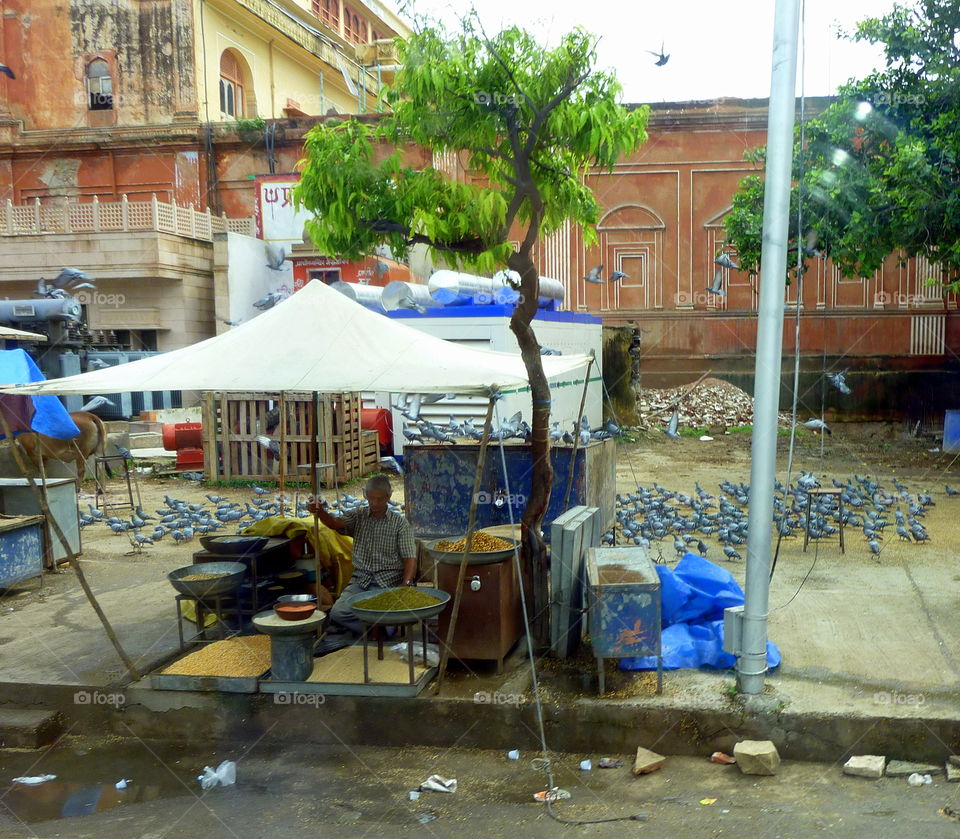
x: 593, y: 275
x: 550, y: 351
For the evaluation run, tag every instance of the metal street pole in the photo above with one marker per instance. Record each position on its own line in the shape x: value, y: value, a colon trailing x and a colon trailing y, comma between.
x: 752, y: 661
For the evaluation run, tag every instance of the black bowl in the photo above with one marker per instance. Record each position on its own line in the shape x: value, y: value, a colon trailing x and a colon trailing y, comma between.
x: 234, y: 544
x: 234, y: 571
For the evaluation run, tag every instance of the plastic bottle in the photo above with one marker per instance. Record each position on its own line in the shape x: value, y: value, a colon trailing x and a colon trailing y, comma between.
x: 915, y: 780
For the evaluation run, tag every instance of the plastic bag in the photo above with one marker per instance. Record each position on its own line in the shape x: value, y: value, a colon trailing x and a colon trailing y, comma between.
x: 433, y: 653
x: 224, y: 775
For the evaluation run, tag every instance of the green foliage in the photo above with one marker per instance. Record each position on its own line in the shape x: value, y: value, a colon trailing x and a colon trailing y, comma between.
x: 878, y: 170
x: 250, y: 126
x: 529, y: 122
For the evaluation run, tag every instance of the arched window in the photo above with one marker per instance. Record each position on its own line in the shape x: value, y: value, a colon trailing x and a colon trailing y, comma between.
x: 354, y: 27
x: 99, y: 85
x: 328, y: 11
x: 231, y: 87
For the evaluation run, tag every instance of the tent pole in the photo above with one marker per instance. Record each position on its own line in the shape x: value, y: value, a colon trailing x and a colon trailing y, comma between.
x: 19, y: 456
x: 283, y: 450
x: 576, y: 437
x: 315, y: 488
x: 471, y: 524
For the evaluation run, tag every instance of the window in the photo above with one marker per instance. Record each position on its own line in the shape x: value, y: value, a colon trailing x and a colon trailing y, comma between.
x: 328, y: 11
x: 99, y: 85
x: 354, y: 27
x: 325, y: 275
x: 231, y: 86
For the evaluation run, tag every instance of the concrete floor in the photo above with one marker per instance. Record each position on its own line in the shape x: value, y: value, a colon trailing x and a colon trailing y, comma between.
x: 295, y: 789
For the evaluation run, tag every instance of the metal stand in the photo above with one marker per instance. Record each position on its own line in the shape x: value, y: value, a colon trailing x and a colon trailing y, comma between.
x: 214, y: 605
x: 820, y: 493
x: 408, y: 631
x: 100, y: 478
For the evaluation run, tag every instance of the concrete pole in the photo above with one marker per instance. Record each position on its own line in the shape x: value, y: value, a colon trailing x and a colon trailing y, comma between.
x: 752, y: 663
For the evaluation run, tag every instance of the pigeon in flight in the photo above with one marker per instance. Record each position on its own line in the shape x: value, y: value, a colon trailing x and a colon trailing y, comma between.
x: 839, y: 382
x: 717, y: 286
x: 276, y: 256
x: 672, y: 426
x: 268, y: 301
x: 662, y: 57
x: 7, y: 71
x: 616, y: 276
x: 725, y: 261
x: 593, y: 275
x: 816, y: 425
x: 97, y: 402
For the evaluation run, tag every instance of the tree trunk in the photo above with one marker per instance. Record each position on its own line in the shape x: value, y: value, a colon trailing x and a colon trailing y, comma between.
x: 541, y: 479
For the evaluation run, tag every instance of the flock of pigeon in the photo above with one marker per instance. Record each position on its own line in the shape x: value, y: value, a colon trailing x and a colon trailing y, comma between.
x: 418, y: 429
x: 181, y: 521
x: 650, y: 515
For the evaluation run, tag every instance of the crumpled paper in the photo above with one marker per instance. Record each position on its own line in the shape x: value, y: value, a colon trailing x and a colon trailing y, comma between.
x: 436, y: 783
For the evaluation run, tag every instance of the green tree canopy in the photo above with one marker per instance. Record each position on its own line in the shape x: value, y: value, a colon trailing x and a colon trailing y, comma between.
x: 877, y: 172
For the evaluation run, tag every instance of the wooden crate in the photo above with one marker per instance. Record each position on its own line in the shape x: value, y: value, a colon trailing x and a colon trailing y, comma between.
x: 371, y: 450
x: 232, y: 422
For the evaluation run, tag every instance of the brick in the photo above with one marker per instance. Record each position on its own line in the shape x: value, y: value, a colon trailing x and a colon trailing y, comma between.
x: 865, y: 766
x: 647, y: 761
x: 903, y: 768
x: 28, y: 729
x: 757, y: 757
x: 953, y: 773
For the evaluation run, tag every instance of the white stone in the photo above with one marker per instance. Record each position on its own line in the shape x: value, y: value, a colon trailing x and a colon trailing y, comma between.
x: 757, y: 757
x: 865, y: 766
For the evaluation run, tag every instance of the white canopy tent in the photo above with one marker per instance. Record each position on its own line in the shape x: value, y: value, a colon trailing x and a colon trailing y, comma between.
x: 9, y: 334
x: 315, y: 340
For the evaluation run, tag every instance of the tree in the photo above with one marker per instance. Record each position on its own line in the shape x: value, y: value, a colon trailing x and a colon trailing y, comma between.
x: 878, y: 171
x: 529, y: 122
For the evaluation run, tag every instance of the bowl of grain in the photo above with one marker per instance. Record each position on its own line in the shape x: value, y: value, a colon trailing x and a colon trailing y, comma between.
x: 403, y: 604
x: 208, y: 579
x: 485, y: 549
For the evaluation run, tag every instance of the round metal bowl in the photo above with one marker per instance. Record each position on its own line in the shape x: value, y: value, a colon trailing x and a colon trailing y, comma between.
x: 297, y: 598
x: 234, y: 544
x: 398, y: 616
x: 473, y: 558
x: 235, y: 572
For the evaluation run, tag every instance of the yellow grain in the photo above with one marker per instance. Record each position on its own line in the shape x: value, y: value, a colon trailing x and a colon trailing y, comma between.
x: 248, y: 655
x: 482, y: 541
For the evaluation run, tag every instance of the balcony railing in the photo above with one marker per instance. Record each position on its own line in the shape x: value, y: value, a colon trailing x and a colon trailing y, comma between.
x: 117, y: 216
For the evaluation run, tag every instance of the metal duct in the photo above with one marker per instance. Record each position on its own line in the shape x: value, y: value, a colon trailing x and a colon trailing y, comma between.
x: 43, y: 309
x: 397, y: 290
x: 370, y: 296
x: 457, y: 288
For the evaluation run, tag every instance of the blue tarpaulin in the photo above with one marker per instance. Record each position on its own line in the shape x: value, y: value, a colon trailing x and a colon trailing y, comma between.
x: 43, y: 414
x: 693, y: 597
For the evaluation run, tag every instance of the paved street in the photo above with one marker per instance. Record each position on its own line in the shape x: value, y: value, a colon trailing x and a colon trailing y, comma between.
x: 287, y: 791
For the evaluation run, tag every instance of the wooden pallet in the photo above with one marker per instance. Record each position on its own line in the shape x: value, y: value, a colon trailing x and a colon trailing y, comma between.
x: 232, y: 422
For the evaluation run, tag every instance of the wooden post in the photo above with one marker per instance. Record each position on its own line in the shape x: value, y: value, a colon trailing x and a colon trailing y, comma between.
x: 19, y: 456
x: 468, y: 543
x: 315, y: 461
x: 283, y: 448
x: 576, y: 438
x: 211, y: 463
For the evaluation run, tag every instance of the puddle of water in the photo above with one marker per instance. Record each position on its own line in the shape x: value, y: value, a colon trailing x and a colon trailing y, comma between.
x: 86, y: 776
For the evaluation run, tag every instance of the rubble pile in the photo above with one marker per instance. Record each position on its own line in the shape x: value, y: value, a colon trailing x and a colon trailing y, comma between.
x: 712, y: 404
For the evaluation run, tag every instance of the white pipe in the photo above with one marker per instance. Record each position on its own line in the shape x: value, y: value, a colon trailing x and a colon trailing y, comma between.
x: 397, y: 290
x: 752, y: 662
x: 455, y: 286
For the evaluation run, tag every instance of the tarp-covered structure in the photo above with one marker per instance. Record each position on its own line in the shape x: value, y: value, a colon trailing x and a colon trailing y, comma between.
x: 316, y: 340
x: 44, y: 414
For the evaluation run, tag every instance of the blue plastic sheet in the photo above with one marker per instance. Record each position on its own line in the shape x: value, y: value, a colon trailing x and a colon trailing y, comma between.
x: 693, y: 597
x: 43, y: 414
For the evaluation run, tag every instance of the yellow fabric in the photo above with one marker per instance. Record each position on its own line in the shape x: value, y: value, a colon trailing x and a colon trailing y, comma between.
x: 334, y: 551
x: 188, y: 608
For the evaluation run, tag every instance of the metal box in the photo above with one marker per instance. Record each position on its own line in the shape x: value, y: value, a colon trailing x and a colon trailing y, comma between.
x: 623, y: 606
x: 21, y: 549
x: 572, y: 534
x: 17, y: 498
x: 438, y: 485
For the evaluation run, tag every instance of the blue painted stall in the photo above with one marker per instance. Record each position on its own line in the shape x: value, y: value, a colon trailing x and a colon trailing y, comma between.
x: 438, y: 484
x: 21, y: 549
